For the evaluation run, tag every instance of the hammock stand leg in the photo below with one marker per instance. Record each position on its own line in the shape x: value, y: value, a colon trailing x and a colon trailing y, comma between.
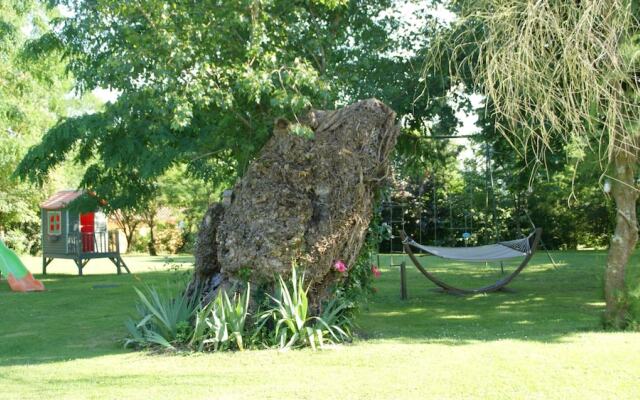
x: 403, y: 281
x: 553, y: 262
x: 499, y: 285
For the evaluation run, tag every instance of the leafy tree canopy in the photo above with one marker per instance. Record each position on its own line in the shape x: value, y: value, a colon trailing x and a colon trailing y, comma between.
x: 32, y: 98
x: 201, y: 81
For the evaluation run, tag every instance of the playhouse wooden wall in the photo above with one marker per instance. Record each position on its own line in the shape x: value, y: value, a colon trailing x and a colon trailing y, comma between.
x: 53, y: 245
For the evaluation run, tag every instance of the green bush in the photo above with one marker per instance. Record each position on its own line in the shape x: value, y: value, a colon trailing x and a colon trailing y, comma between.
x: 139, y: 244
x: 17, y: 240
x: 164, y: 319
x: 188, y: 242
x: 221, y: 324
x: 175, y: 321
x: 24, y: 239
x: 633, y: 316
x: 289, y: 324
x: 169, y: 238
x: 357, y: 286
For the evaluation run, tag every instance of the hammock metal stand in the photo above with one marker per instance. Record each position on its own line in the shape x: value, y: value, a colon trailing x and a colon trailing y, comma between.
x: 534, y: 240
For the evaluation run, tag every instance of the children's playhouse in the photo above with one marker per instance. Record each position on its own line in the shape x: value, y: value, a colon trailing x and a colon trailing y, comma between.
x: 76, y: 236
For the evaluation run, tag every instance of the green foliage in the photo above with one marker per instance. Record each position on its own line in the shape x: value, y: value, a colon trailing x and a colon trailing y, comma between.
x: 199, y: 84
x: 187, y: 196
x: 139, y: 245
x: 244, y: 273
x: 22, y: 242
x: 175, y: 321
x: 633, y: 315
x: 356, y: 288
x: 163, y: 319
x: 302, y: 131
x: 337, y: 317
x: 494, y: 199
x: 578, y: 87
x: 290, y: 323
x: 169, y: 238
x: 221, y: 324
x: 32, y: 97
x: 561, y: 124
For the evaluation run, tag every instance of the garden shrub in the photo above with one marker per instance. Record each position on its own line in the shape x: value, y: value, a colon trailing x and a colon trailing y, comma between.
x: 358, y: 283
x: 633, y: 314
x: 290, y: 324
x: 175, y: 322
x: 164, y: 319
x: 221, y: 324
x: 169, y: 238
x: 188, y: 242
x: 139, y: 244
x: 24, y: 239
x: 17, y: 240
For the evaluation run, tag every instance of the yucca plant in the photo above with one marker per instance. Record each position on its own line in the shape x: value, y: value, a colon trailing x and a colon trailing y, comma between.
x: 335, y: 315
x: 221, y: 324
x: 164, y: 318
x: 293, y: 326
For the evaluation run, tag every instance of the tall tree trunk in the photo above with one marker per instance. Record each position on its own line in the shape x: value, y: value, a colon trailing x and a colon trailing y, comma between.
x: 149, y: 217
x: 129, y: 236
x: 129, y: 230
x: 624, y: 239
x: 152, y: 238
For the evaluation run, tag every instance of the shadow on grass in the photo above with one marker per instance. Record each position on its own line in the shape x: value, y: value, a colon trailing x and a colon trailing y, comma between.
x: 83, y: 317
x: 543, y: 304
x: 76, y: 317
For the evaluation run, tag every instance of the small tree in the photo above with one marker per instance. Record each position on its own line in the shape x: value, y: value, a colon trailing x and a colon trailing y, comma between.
x: 150, y: 217
x: 561, y: 71
x: 128, y: 221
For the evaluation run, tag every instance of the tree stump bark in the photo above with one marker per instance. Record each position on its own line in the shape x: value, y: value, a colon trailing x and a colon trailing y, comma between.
x: 306, y: 200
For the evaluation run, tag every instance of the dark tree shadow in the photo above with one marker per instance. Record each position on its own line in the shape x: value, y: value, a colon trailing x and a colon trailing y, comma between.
x: 83, y: 317
x: 76, y: 317
x: 543, y: 304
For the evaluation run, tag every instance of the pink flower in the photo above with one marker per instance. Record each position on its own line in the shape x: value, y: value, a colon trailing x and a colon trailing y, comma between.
x: 375, y: 271
x: 340, y: 266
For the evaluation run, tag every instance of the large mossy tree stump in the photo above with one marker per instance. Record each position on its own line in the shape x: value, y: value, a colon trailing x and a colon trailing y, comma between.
x: 306, y: 199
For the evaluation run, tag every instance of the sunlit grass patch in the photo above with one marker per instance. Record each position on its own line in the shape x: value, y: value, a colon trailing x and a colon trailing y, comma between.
x: 540, y: 340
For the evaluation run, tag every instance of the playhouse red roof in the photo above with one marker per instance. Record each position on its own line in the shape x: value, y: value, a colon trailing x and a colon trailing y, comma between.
x: 61, y: 199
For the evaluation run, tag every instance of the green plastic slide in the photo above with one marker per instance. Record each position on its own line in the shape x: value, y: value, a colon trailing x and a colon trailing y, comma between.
x: 19, y: 277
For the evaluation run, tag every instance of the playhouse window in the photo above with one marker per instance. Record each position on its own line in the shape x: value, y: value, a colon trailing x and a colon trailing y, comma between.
x: 55, y: 225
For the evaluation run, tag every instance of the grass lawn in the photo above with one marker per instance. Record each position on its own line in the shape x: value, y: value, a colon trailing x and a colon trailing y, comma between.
x: 540, y: 341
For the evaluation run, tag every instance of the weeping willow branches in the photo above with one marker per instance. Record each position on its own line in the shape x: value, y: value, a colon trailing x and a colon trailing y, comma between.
x: 552, y: 69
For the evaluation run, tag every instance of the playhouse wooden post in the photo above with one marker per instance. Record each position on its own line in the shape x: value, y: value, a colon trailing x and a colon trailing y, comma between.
x: 79, y: 265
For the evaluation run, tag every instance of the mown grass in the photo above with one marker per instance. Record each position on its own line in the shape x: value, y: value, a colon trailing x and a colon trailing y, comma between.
x: 542, y: 340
